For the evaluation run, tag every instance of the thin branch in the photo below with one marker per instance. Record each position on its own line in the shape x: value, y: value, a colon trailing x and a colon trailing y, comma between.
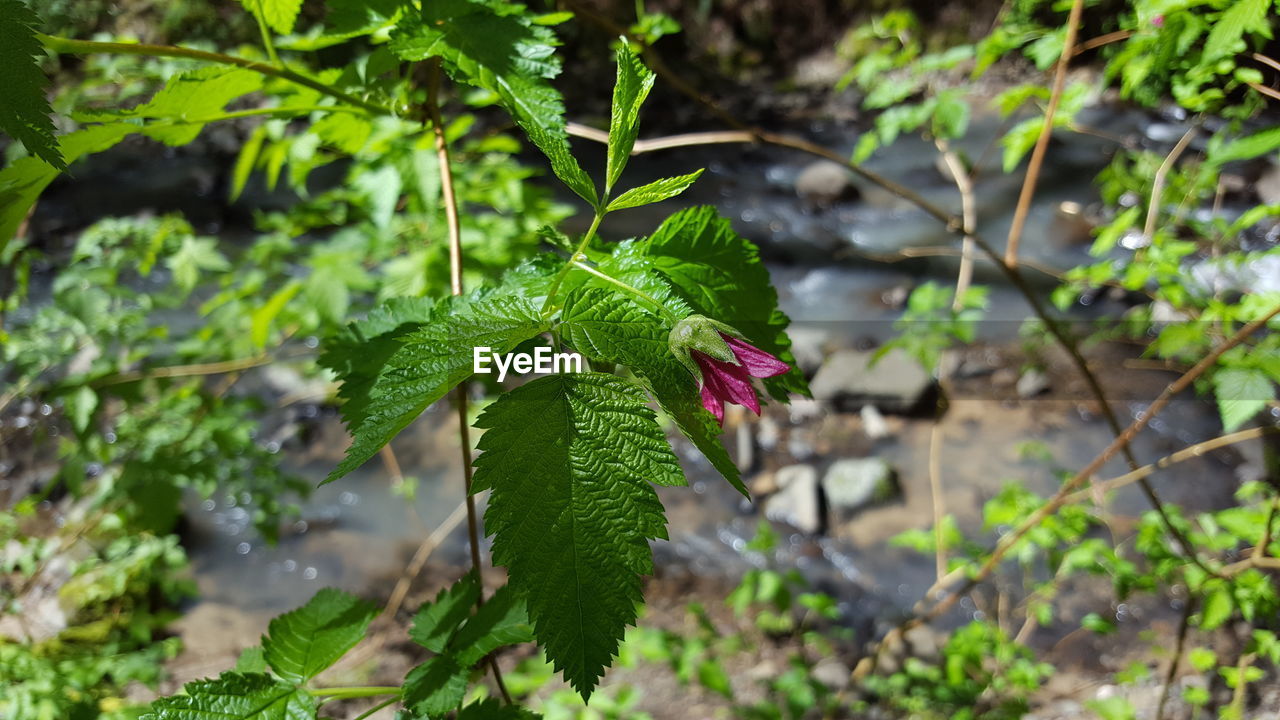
x: 1042, y: 142
x: 1266, y: 61
x: 1162, y: 174
x: 1183, y: 627
x: 83, y: 47
x: 455, y: 286
x: 267, y: 44
x: 1269, y: 92
x: 213, y: 368
x: 1187, y: 453
x: 968, y: 213
x: 1101, y: 40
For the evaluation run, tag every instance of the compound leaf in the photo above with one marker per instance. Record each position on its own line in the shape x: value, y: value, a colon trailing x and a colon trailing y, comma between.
x: 437, y: 621
x: 1241, y: 393
x: 25, y: 112
x: 423, y: 364
x: 608, y: 326
x: 569, y: 460
x: 719, y: 274
x: 236, y: 696
x: 280, y: 15
x: 656, y: 191
x: 301, y: 643
x: 498, y: 47
x: 629, y: 92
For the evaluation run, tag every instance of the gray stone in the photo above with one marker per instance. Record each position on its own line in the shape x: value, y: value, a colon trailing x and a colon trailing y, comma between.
x: 1032, y: 383
x: 832, y: 673
x: 807, y: 346
x: 796, y: 502
x: 895, y: 384
x: 1268, y: 185
x: 873, y: 423
x: 825, y: 182
x: 855, y: 483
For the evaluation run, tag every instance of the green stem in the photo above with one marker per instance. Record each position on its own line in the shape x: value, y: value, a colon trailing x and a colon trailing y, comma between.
x: 582, y: 246
x: 253, y: 112
x: 266, y: 36
x: 81, y: 47
x: 345, y: 693
x: 375, y: 708
x: 631, y: 289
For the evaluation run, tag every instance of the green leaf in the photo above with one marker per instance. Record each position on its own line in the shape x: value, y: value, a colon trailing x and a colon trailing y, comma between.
x: 354, y: 17
x: 503, y: 621
x: 301, y: 643
x: 427, y: 363
x: 656, y: 191
x: 251, y: 660
x: 1218, y: 606
x: 608, y: 326
x: 491, y: 709
x: 719, y: 274
x: 437, y: 621
x: 1243, y: 16
x: 1248, y: 147
x: 236, y: 696
x: 25, y: 112
x: 629, y: 92
x: 1241, y: 393
x: 569, y: 459
x: 246, y: 160
x: 22, y: 182
x: 280, y: 15
x: 81, y: 405
x: 188, y: 100
x: 194, y: 255
x: 436, y: 687
x: 496, y: 46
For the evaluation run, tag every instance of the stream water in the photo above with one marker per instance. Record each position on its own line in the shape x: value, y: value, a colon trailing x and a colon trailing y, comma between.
x: 828, y: 264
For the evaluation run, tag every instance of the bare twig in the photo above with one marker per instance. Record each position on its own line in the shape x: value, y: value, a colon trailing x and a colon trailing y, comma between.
x: 1187, y: 453
x: 455, y: 286
x: 1042, y: 142
x: 1101, y: 40
x: 968, y: 214
x: 1162, y: 174
x: 1183, y: 627
x: 1269, y: 92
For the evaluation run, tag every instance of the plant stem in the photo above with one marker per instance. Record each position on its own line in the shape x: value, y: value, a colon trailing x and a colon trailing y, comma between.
x: 82, y: 47
x: 266, y: 35
x: 579, y: 252
x: 367, y: 713
x: 631, y: 289
x: 1042, y: 142
x: 1184, y: 626
x: 346, y: 693
x: 455, y: 286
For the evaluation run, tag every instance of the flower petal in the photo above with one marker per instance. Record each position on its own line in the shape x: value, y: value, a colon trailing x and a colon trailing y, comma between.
x: 713, y: 404
x: 757, y: 362
x: 727, y: 381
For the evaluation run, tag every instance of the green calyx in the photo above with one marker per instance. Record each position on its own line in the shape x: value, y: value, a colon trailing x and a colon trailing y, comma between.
x: 703, y: 334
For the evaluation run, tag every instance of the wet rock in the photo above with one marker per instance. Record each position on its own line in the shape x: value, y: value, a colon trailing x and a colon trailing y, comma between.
x: 746, y: 448
x: 1032, y: 383
x: 873, y: 423
x: 1268, y: 185
x: 925, y: 642
x: 853, y: 484
x: 820, y: 70
x: 808, y: 348
x: 768, y: 433
x: 765, y: 483
x: 803, y: 410
x: 800, y: 443
x: 824, y: 183
x: 848, y: 380
x: 832, y: 673
x: 796, y: 502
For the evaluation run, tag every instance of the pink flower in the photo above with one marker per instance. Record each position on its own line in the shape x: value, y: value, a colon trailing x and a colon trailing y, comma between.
x: 729, y: 382
x: 1158, y: 21
x: 723, y: 363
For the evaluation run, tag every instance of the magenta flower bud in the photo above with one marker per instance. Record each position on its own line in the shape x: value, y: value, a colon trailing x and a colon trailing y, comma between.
x: 1158, y: 21
x: 723, y: 362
